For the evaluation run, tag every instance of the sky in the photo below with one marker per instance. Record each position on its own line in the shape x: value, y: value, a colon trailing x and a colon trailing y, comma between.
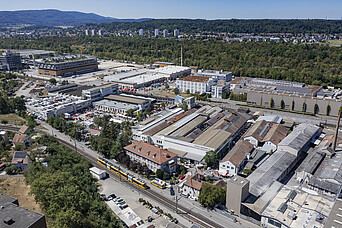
x: 205, y: 9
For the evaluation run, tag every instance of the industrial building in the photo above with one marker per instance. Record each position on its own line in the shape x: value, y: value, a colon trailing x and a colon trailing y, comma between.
x: 153, y: 157
x: 192, y: 133
x: 295, y: 102
x: 237, y: 192
x: 195, y: 84
x: 236, y: 158
x: 267, y: 180
x: 99, y: 92
x: 145, y: 77
x: 56, y: 105
x: 141, y: 102
x: 68, y: 67
x: 217, y: 75
x: 12, y: 215
x: 245, y: 84
x: 10, y: 61
x: 110, y: 106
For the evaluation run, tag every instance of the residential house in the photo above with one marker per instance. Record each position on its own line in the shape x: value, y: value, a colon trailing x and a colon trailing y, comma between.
x: 233, y: 162
x: 20, y: 160
x: 154, y: 157
x: 192, y: 186
x: 21, y: 139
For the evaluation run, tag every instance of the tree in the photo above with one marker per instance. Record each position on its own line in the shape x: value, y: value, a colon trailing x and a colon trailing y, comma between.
x: 166, y: 176
x: 130, y: 112
x: 316, y: 109
x: 210, y: 158
x: 328, y: 110
x: 184, y: 105
x: 188, y: 91
x: 211, y: 195
x: 282, y: 104
x: 293, y: 105
x: 163, y: 104
x: 304, y: 107
x: 53, y: 81
x: 272, y: 103
x: 159, y: 174
x: 176, y: 91
x: 167, y: 87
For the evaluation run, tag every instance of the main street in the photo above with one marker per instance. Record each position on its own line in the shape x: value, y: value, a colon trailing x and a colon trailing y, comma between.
x: 190, y: 210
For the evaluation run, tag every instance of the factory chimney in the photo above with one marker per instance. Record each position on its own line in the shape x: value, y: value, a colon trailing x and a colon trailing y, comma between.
x: 337, y: 127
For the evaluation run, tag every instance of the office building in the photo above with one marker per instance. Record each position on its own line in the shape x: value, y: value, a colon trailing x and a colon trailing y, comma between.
x: 93, y: 32
x: 224, y: 76
x: 176, y: 33
x: 86, y: 32
x: 156, y: 32
x: 220, y: 90
x: 194, y: 84
x: 68, y: 67
x: 99, y: 92
x: 100, y: 32
x: 10, y: 61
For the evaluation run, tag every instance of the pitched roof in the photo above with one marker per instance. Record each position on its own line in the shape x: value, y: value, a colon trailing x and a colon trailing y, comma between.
x: 275, y: 134
x: 19, y: 138
x: 20, y: 157
x: 238, y: 153
x: 194, y: 181
x: 23, y: 129
x: 150, y: 152
x: 220, y: 183
x: 258, y: 130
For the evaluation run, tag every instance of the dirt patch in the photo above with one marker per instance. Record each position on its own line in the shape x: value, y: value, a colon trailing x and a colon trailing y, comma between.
x: 12, y: 119
x: 16, y: 187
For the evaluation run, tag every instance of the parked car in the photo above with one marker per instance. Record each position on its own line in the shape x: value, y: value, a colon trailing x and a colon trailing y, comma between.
x: 182, y: 177
x: 121, y: 203
x: 123, y: 206
x: 103, y: 196
x: 111, y: 197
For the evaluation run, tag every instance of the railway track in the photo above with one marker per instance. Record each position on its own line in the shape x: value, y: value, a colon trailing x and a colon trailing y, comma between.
x: 9, y: 128
x: 194, y: 217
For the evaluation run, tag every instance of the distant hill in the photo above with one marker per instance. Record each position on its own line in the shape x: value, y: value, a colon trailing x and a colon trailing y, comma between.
x: 55, y: 18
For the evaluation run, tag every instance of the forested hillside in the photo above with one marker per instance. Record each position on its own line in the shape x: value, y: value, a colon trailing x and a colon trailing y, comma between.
x: 232, y: 26
x: 309, y: 63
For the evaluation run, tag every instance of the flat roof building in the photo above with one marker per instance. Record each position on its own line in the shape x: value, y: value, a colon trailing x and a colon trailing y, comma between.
x: 12, y: 215
x: 68, y: 67
x: 10, y: 61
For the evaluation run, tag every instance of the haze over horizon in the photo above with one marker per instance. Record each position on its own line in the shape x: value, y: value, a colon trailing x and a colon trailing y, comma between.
x: 192, y: 9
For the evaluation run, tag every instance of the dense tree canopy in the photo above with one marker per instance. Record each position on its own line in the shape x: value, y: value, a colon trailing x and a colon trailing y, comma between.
x: 66, y: 190
x: 231, y: 26
x: 211, y: 195
x: 309, y: 63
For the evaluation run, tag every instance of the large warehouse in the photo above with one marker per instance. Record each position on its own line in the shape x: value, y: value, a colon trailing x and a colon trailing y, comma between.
x: 68, y: 67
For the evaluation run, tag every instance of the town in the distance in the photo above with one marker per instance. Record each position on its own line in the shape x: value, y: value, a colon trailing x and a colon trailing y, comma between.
x: 89, y: 140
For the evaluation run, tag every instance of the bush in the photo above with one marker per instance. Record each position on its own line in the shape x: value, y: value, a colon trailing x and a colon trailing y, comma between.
x: 11, y: 170
x: 4, y: 121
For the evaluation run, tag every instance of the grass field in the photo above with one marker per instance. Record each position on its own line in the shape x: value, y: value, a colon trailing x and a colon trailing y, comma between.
x: 334, y: 43
x: 16, y: 187
x: 12, y: 119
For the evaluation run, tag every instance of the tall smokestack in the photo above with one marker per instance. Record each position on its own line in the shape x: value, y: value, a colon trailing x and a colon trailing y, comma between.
x: 181, y: 55
x: 337, y: 127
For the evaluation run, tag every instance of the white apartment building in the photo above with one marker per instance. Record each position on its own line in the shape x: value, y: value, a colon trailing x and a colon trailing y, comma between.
x: 195, y: 84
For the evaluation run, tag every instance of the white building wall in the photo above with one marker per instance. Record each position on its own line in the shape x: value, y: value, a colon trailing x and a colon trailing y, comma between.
x: 190, y: 192
x: 227, y: 168
x: 252, y: 140
x: 269, y: 146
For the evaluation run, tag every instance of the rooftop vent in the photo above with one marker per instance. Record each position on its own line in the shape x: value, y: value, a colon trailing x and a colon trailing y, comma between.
x: 8, y: 220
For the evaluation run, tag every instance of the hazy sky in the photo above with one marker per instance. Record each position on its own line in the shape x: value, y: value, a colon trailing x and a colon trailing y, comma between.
x: 209, y: 9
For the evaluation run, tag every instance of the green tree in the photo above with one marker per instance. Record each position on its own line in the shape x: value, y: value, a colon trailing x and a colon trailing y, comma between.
x: 282, y: 104
x: 210, y: 158
x: 316, y: 109
x: 187, y: 91
x: 167, y: 87
x: 159, y: 174
x: 130, y: 112
x: 272, y: 103
x: 166, y: 176
x: 211, y: 195
x: 304, y: 107
x: 328, y: 110
x: 176, y: 91
x: 184, y: 105
x: 53, y: 81
x: 163, y: 104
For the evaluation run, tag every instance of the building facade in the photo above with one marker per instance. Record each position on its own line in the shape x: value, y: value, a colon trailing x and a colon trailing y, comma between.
x: 10, y: 61
x: 153, y: 157
x: 195, y: 84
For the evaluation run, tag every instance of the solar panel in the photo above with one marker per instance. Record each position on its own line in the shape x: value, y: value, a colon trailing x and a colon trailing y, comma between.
x: 21, y: 155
